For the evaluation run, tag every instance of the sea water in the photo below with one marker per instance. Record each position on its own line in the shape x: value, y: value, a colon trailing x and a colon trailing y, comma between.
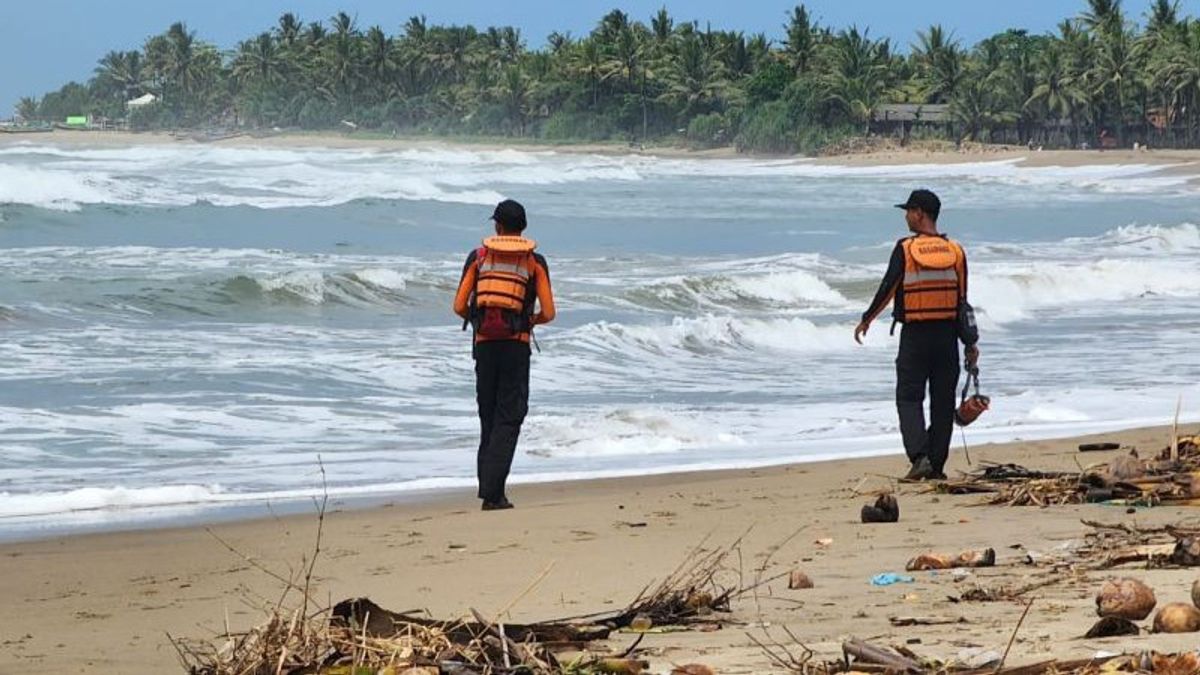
x: 192, y: 328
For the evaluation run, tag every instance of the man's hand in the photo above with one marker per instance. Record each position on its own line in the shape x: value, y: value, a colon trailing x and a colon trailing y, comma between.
x: 972, y: 354
x: 861, y: 330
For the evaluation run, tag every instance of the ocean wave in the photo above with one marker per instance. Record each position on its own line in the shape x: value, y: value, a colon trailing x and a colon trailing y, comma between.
x: 623, y: 431
x: 51, y: 177
x: 792, y: 289
x: 711, y: 333
x: 1011, y: 291
x: 1134, y: 240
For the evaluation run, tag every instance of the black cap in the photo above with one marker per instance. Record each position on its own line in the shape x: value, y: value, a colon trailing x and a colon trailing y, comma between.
x: 511, y: 215
x: 924, y: 200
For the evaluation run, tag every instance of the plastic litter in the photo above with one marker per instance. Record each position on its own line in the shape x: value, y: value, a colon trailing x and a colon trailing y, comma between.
x: 889, y: 578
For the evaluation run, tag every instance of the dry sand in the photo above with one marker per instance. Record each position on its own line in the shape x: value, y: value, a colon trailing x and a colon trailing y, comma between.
x: 105, y: 602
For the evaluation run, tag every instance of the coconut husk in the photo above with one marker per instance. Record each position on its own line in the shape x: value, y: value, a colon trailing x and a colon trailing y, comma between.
x: 937, y: 561
x: 1177, y: 617
x: 1125, y: 598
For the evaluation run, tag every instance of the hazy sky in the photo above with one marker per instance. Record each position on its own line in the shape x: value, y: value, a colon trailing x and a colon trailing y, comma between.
x: 45, y: 43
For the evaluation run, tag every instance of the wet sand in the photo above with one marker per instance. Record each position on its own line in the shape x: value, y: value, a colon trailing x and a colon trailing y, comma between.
x: 105, y: 602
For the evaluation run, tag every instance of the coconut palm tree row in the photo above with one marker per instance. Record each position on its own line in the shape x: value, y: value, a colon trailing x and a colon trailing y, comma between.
x: 1105, y: 72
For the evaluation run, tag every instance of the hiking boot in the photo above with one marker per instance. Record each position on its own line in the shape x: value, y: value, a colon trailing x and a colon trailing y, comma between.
x: 921, y: 469
x: 497, y: 506
x: 938, y: 475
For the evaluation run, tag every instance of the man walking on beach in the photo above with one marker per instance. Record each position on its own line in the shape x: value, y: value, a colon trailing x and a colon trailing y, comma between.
x: 927, y: 277
x: 501, y: 284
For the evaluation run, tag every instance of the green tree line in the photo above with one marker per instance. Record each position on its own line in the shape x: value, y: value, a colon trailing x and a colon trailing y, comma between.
x: 1104, y: 71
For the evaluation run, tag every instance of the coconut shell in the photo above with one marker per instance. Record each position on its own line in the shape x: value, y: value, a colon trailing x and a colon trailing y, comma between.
x: 1177, y: 617
x: 799, y: 580
x: 929, y: 561
x: 1186, y: 552
x: 1125, y: 467
x: 977, y: 558
x: 1196, y: 592
x: 1125, y: 598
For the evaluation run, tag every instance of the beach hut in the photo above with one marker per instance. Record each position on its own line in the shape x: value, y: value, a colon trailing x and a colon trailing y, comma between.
x: 900, y: 118
x: 143, y: 100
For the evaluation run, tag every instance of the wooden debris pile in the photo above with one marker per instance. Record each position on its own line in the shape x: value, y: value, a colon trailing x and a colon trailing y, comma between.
x: 1172, y: 477
x: 864, y: 657
x: 358, y: 637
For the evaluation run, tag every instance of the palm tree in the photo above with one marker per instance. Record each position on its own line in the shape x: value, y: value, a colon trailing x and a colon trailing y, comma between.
x: 858, y: 74
x: 514, y: 93
x: 693, y: 77
x: 27, y: 108
x: 289, y: 29
x: 340, y: 58
x: 120, y: 74
x: 379, y: 62
x: 662, y: 25
x: 588, y: 61
x: 1103, y: 16
x: 1057, y: 95
x: 940, y: 61
x: 801, y: 43
x: 258, y: 61
x: 976, y: 106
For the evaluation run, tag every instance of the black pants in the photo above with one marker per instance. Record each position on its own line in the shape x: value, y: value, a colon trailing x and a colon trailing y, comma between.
x: 502, y: 392
x: 928, y: 356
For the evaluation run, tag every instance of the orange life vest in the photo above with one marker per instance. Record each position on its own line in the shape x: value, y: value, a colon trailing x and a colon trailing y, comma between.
x: 934, y: 278
x: 504, y: 267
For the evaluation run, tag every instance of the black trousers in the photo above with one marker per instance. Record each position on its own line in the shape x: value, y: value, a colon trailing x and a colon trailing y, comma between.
x: 928, y: 357
x: 502, y: 392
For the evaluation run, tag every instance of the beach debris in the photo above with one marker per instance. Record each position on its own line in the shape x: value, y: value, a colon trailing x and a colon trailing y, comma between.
x: 867, y: 653
x: 799, y: 580
x: 1111, y: 626
x: 902, y: 621
x: 1098, y: 447
x: 1125, y: 598
x: 1177, y: 617
x: 889, y: 578
x: 978, y: 657
x: 1196, y: 593
x: 824, y: 542
x: 1170, y: 477
x: 620, y: 666
x: 885, y: 510
x: 693, y: 669
x: 936, y: 561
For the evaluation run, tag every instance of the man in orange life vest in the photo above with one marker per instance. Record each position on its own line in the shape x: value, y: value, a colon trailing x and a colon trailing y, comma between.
x: 927, y: 277
x: 500, y: 284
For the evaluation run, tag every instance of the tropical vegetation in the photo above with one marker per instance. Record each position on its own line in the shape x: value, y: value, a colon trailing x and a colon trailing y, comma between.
x: 1102, y: 73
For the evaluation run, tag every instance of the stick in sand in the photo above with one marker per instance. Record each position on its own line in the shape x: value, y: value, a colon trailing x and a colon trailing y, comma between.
x: 1013, y: 637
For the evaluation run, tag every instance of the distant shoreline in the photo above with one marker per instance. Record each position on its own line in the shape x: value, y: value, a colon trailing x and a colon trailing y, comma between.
x: 1187, y: 161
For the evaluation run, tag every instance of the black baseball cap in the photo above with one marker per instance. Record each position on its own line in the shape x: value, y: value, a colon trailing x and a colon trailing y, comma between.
x: 511, y: 215
x: 924, y: 200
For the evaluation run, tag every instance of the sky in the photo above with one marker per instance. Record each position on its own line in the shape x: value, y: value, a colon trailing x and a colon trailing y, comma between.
x: 46, y: 43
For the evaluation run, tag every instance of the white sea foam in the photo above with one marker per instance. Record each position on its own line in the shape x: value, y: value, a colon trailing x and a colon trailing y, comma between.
x: 623, y: 431
x: 710, y: 333
x: 60, y: 178
x: 1011, y: 291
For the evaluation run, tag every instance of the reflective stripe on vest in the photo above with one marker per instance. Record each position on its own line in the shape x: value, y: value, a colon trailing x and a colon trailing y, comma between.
x: 518, y: 270
x: 923, y: 276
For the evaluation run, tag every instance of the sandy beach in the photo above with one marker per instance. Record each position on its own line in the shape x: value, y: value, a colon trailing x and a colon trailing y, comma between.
x: 106, y: 602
